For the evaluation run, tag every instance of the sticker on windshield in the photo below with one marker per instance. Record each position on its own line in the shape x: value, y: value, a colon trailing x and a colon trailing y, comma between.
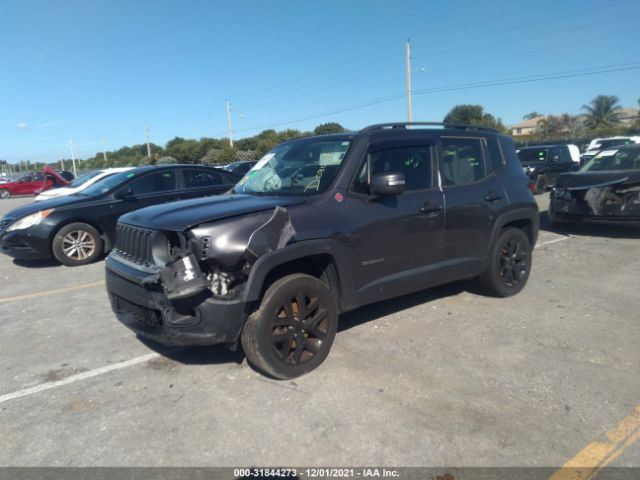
x: 263, y: 161
x: 607, y: 153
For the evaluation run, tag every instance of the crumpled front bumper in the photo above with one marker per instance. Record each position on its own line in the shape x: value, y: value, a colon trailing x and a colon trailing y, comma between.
x: 200, y: 319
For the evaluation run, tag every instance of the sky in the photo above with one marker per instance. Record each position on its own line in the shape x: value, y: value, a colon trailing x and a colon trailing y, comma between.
x: 97, y: 71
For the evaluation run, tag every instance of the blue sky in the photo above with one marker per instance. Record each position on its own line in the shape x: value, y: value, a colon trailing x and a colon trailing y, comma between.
x: 93, y: 69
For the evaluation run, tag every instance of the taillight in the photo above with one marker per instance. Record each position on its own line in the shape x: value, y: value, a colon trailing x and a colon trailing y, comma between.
x: 532, y: 186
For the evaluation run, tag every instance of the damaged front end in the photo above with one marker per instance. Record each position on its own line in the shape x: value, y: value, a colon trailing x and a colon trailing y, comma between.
x: 185, y: 288
x: 602, y: 197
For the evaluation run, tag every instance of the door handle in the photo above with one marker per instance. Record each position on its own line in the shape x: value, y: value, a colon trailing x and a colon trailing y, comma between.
x: 429, y: 208
x: 492, y: 197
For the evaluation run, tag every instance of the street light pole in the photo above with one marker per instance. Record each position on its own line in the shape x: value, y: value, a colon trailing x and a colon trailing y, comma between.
x: 73, y: 158
x: 229, y: 123
x: 408, y: 62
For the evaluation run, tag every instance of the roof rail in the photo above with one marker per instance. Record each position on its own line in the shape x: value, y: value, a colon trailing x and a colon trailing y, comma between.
x: 405, y: 125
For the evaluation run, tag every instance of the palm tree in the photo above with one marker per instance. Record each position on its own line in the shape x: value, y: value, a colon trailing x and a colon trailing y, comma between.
x: 602, y: 112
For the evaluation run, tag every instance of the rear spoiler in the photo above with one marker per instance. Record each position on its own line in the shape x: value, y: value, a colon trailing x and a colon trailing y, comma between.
x: 55, y: 174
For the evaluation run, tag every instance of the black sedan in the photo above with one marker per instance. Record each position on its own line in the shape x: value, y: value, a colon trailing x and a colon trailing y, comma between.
x: 79, y: 228
x: 607, y: 188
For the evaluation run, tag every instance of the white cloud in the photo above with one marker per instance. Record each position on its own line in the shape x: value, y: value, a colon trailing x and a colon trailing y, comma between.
x: 22, y: 125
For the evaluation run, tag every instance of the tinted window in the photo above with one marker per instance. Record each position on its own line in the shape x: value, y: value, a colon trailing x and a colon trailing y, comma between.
x: 413, y: 162
x: 243, y: 168
x: 462, y: 161
x: 533, y: 154
x: 155, y: 182
x: 201, y: 178
x: 38, y: 177
x: 495, y: 155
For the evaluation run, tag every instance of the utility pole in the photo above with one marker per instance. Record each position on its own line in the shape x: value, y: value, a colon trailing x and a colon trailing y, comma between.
x: 408, y: 60
x: 104, y: 150
x: 229, y: 123
x: 146, y: 132
x: 73, y: 158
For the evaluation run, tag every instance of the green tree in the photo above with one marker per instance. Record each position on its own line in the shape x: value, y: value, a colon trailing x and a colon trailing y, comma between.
x: 326, y: 128
x: 531, y: 115
x: 603, y: 111
x: 556, y: 126
x: 467, y: 114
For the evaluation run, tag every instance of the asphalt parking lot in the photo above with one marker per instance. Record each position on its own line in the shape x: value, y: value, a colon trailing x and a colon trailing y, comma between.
x: 442, y: 377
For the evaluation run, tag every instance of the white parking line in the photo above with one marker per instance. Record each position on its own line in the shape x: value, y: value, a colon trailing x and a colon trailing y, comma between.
x: 555, y: 240
x: 76, y: 378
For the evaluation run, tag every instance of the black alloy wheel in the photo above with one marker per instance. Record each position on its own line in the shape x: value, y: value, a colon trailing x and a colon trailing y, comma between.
x: 514, y: 263
x: 509, y: 264
x: 292, y: 331
x: 298, y: 328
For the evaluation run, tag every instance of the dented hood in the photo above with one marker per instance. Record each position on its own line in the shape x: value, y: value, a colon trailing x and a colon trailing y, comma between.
x: 179, y: 216
x: 586, y: 180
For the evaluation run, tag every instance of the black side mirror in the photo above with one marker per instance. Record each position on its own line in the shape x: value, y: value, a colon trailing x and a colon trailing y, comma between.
x: 387, y: 184
x: 123, y: 194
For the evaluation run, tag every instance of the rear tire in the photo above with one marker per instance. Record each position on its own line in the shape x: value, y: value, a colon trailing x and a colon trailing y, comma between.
x: 4, y: 193
x: 509, y: 264
x: 292, y: 331
x: 77, y: 244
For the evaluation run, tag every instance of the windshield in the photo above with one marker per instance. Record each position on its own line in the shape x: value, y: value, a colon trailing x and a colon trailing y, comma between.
x: 613, y: 142
x: 298, y: 168
x: 533, y: 154
x: 83, y: 179
x: 107, y: 183
x: 624, y: 159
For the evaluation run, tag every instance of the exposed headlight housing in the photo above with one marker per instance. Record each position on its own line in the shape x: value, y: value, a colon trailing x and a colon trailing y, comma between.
x: 30, y: 220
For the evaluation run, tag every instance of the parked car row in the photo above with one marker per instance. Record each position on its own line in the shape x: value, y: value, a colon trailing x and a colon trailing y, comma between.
x: 77, y: 229
x: 311, y: 231
x: 35, y: 183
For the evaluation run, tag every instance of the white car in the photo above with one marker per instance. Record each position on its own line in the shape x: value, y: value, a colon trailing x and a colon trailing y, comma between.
x: 608, y: 142
x: 80, y: 183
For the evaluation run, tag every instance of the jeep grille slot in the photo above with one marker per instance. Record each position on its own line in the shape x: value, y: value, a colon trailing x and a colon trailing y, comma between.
x: 134, y: 244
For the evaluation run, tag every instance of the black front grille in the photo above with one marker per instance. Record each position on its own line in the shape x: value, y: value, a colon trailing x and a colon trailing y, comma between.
x: 134, y: 244
x: 145, y: 316
x: 5, y: 222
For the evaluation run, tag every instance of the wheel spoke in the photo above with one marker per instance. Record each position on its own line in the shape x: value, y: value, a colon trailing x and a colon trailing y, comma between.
x: 297, y: 354
x: 286, y: 346
x: 302, y: 307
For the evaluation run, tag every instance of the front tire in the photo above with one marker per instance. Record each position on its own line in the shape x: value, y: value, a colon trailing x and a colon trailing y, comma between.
x: 292, y: 331
x: 509, y: 264
x: 4, y: 193
x: 77, y: 244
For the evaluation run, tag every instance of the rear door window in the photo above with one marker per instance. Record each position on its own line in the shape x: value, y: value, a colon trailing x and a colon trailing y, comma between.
x: 154, y: 183
x: 462, y: 161
x: 194, y: 178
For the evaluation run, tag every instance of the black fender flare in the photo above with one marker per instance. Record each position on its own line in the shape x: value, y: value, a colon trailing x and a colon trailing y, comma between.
x: 524, y: 213
x: 295, y: 251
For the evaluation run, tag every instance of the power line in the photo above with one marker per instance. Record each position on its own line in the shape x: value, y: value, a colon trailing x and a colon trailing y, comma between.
x: 492, y: 83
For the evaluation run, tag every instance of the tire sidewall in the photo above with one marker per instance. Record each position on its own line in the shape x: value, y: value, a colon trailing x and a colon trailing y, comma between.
x: 274, y: 297
x: 59, y: 254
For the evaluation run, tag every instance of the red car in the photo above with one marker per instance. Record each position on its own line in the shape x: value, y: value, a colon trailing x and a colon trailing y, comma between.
x: 33, y: 183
